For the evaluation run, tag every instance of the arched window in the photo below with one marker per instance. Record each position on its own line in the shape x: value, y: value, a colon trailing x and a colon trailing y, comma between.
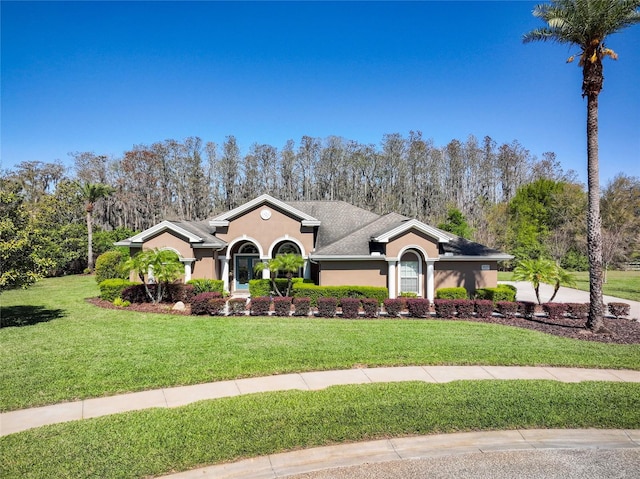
x: 410, y: 273
x: 248, y: 248
x: 288, y: 247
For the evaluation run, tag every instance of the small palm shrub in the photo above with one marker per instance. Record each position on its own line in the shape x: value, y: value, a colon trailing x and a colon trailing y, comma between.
x: 508, y: 309
x: 282, y: 305
x: 350, y: 307
x: 483, y: 308
x: 393, y: 307
x: 327, y: 307
x: 371, y: 307
x: 260, y: 306
x: 619, y: 309
x: 201, y: 285
x: 302, y: 306
x: 418, y: 308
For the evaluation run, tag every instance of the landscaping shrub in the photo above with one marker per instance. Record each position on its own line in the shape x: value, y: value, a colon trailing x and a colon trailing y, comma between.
x: 302, y: 306
x: 503, y: 292
x: 619, y: 309
x: 282, y: 305
x: 314, y: 292
x: 371, y: 306
x: 260, y: 306
x: 451, y: 293
x: 350, y: 307
x: 445, y: 308
x: 259, y: 287
x: 393, y: 307
x: 418, y: 307
x: 207, y: 285
x: 120, y: 303
x: 210, y: 302
x: 526, y: 309
x: 408, y: 294
x: 464, y: 307
x: 327, y: 307
x: 578, y: 310
x: 554, y: 310
x: 508, y: 309
x: 109, y: 265
x: 110, y: 289
x: 483, y: 308
x: 136, y: 293
x: 237, y: 306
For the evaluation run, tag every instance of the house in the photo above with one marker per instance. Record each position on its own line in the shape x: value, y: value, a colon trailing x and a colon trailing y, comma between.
x: 341, y: 244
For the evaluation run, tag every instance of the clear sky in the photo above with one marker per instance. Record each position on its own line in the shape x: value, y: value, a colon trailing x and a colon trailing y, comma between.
x: 104, y: 76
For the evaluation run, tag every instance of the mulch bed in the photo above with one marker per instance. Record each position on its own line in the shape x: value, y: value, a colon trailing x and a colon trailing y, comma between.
x: 621, y: 331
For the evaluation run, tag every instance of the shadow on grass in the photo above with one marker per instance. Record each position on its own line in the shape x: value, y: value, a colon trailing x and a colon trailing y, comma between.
x: 27, y: 315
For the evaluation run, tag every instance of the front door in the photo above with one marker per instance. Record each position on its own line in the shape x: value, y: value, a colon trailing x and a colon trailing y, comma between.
x: 244, y: 270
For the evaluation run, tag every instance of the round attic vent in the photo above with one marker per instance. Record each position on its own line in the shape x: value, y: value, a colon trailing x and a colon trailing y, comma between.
x: 265, y: 214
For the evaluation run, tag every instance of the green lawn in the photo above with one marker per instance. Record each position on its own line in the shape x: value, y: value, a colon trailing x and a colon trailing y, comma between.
x: 71, y: 350
x: 621, y: 284
x: 159, y: 441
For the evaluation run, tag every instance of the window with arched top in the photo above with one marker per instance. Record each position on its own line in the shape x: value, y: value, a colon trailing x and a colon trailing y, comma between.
x: 248, y: 248
x: 410, y: 273
x: 288, y: 247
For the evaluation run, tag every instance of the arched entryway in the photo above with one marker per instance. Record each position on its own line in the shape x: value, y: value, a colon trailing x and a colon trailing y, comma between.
x: 244, y: 260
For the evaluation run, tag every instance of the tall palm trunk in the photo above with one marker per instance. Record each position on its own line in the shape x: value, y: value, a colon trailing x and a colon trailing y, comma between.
x: 591, y: 87
x: 89, y: 209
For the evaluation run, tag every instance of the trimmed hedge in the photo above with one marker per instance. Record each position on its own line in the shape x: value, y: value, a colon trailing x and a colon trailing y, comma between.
x: 502, y: 292
x: 260, y: 306
x: 445, y: 308
x: 555, y: 310
x: 371, y: 307
x: 619, y: 309
x: 282, y: 305
x: 263, y: 287
x: 110, y: 289
x: 350, y: 307
x: 173, y: 293
x: 302, y: 306
x: 451, y: 293
x: 508, y: 309
x: 210, y: 302
x: 578, y: 310
x: 526, y: 309
x: 393, y: 307
x: 464, y: 307
x: 109, y: 265
x: 418, y: 308
x: 327, y: 307
x: 483, y: 308
x: 207, y: 285
x: 315, y: 292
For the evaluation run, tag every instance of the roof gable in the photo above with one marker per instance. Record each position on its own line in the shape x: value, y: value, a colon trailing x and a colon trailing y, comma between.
x: 405, y: 226
x: 192, y: 231
x: 225, y: 218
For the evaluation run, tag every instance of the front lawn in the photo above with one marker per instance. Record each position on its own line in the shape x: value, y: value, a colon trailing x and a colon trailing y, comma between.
x: 620, y: 284
x: 69, y: 349
x: 160, y: 441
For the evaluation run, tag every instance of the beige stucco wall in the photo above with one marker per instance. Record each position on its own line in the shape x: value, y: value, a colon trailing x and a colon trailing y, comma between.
x: 169, y: 240
x: 266, y: 232
x: 205, y: 266
x: 355, y: 273
x: 469, y: 275
x: 412, y: 238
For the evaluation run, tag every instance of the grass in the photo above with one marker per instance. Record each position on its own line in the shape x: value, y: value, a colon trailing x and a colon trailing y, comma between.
x: 70, y: 350
x: 621, y: 284
x: 152, y: 442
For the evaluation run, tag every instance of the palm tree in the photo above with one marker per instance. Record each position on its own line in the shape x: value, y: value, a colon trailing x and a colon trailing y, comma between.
x: 585, y: 24
x: 536, y: 271
x: 90, y: 193
x: 563, y: 277
x: 289, y: 264
x: 165, y: 266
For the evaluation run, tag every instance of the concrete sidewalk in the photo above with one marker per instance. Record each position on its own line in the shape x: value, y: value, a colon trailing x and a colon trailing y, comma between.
x: 21, y: 420
x: 451, y: 455
x: 567, y: 295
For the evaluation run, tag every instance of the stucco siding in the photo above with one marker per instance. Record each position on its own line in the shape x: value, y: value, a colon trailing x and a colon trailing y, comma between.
x: 469, y: 275
x: 266, y: 232
x: 205, y: 266
x: 355, y: 273
x: 168, y: 240
x: 413, y: 238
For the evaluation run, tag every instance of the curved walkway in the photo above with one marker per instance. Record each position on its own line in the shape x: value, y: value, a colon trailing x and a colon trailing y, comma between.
x: 24, y: 419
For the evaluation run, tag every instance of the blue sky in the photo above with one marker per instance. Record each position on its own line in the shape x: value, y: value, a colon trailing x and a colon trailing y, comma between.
x: 104, y: 76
